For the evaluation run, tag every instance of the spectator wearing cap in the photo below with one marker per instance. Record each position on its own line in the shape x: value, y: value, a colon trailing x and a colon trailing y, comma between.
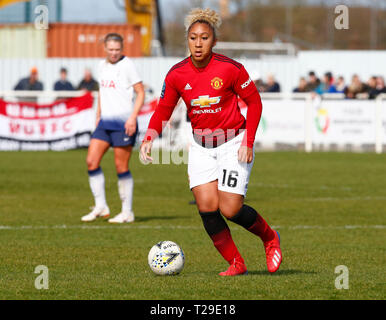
x: 63, y: 84
x: 30, y: 83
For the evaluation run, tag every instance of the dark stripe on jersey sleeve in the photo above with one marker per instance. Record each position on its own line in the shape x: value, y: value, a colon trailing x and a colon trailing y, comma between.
x: 220, y: 57
x: 179, y: 65
x: 225, y: 57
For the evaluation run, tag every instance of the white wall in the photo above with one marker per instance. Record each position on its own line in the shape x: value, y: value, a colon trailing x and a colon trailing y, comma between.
x: 153, y: 70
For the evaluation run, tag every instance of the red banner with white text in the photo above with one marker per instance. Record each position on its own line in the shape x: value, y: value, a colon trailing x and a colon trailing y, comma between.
x: 62, y: 125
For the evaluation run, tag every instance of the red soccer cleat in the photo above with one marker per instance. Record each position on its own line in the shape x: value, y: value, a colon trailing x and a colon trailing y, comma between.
x: 273, y: 253
x: 235, y: 269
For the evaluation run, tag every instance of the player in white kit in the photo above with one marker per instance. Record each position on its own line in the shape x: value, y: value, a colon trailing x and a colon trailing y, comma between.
x: 116, y: 127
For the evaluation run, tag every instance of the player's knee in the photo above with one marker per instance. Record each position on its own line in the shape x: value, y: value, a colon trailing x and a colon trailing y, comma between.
x: 207, y: 205
x: 213, y: 222
x: 121, y: 167
x: 230, y: 209
x: 92, y: 164
x: 245, y: 217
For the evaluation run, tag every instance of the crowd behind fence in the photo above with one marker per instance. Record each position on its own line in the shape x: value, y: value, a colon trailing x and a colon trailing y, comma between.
x: 290, y: 121
x: 328, y: 83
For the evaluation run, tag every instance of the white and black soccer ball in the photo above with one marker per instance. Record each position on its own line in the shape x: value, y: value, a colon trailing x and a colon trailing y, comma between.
x: 166, y: 258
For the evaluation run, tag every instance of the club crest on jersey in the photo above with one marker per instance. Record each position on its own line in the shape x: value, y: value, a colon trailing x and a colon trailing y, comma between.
x: 217, y: 83
x: 205, y: 101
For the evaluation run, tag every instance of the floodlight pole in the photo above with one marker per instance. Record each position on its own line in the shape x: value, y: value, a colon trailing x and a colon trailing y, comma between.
x: 27, y: 12
x: 160, y: 28
x: 58, y: 10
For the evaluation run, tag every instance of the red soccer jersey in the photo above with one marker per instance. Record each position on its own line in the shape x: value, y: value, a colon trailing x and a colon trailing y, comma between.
x: 211, y: 95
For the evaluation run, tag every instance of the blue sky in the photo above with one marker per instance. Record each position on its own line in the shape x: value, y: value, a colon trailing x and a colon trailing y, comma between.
x: 106, y: 11
x: 81, y: 11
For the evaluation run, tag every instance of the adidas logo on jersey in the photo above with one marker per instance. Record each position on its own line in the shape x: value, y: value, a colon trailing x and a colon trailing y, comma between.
x: 188, y: 87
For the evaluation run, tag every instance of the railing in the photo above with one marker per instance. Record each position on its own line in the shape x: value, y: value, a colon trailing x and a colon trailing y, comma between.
x: 364, y: 117
x: 311, y: 99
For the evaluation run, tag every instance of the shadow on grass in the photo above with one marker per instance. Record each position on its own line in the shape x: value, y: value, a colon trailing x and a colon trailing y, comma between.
x: 280, y: 272
x: 261, y: 273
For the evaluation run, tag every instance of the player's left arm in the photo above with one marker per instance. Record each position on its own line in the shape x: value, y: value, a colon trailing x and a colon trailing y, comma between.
x: 131, y: 123
x: 247, y: 91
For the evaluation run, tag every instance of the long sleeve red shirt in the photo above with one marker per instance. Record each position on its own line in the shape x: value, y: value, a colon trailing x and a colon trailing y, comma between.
x: 211, y: 96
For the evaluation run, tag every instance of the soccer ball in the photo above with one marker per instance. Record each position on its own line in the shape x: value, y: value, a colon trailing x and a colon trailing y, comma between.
x: 166, y: 258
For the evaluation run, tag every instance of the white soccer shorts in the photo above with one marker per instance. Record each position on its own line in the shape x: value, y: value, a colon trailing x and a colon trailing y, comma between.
x: 206, y: 165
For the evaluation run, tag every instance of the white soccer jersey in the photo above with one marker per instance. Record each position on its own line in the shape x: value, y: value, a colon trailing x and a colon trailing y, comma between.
x: 116, y: 92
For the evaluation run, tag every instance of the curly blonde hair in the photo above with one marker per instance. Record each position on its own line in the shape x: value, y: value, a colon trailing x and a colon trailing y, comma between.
x: 208, y: 16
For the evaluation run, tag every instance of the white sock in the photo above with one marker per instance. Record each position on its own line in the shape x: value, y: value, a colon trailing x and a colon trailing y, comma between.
x: 125, y: 189
x: 96, y: 179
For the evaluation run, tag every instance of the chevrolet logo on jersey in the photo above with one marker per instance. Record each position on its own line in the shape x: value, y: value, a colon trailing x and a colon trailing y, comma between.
x: 205, y: 101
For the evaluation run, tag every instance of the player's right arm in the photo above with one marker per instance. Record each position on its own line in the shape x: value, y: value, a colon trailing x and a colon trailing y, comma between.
x: 163, y: 112
x: 98, y: 113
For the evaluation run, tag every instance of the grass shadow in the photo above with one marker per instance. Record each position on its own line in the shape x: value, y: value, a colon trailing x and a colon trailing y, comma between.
x: 280, y: 272
x: 149, y: 218
x: 259, y: 273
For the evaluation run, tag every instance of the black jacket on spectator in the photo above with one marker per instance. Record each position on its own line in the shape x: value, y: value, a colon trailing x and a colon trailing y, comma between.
x: 90, y: 85
x: 24, y: 84
x: 379, y: 91
x: 63, y: 86
x: 274, y: 88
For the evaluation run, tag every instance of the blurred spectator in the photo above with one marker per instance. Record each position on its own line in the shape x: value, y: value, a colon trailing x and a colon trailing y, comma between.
x: 340, y: 85
x: 88, y: 82
x: 355, y: 88
x: 371, y: 88
x: 255, y: 76
x: 272, y: 85
x: 327, y: 84
x: 313, y: 81
x: 380, y: 85
x: 302, y: 86
x: 30, y: 83
x: 63, y: 84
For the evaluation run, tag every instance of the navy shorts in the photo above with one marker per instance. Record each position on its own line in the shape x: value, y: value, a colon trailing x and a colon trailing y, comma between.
x: 116, y: 138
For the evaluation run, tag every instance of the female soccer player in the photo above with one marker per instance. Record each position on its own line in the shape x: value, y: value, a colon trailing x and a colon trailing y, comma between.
x: 221, y: 156
x: 116, y: 127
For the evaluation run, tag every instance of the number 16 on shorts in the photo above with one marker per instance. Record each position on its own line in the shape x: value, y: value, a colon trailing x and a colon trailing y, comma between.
x: 229, y: 178
x: 234, y: 180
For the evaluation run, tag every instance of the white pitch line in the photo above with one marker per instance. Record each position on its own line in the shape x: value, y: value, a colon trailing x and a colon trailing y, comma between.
x: 89, y: 227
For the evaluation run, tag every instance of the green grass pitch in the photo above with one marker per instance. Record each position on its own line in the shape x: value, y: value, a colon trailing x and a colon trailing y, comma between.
x: 329, y: 208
